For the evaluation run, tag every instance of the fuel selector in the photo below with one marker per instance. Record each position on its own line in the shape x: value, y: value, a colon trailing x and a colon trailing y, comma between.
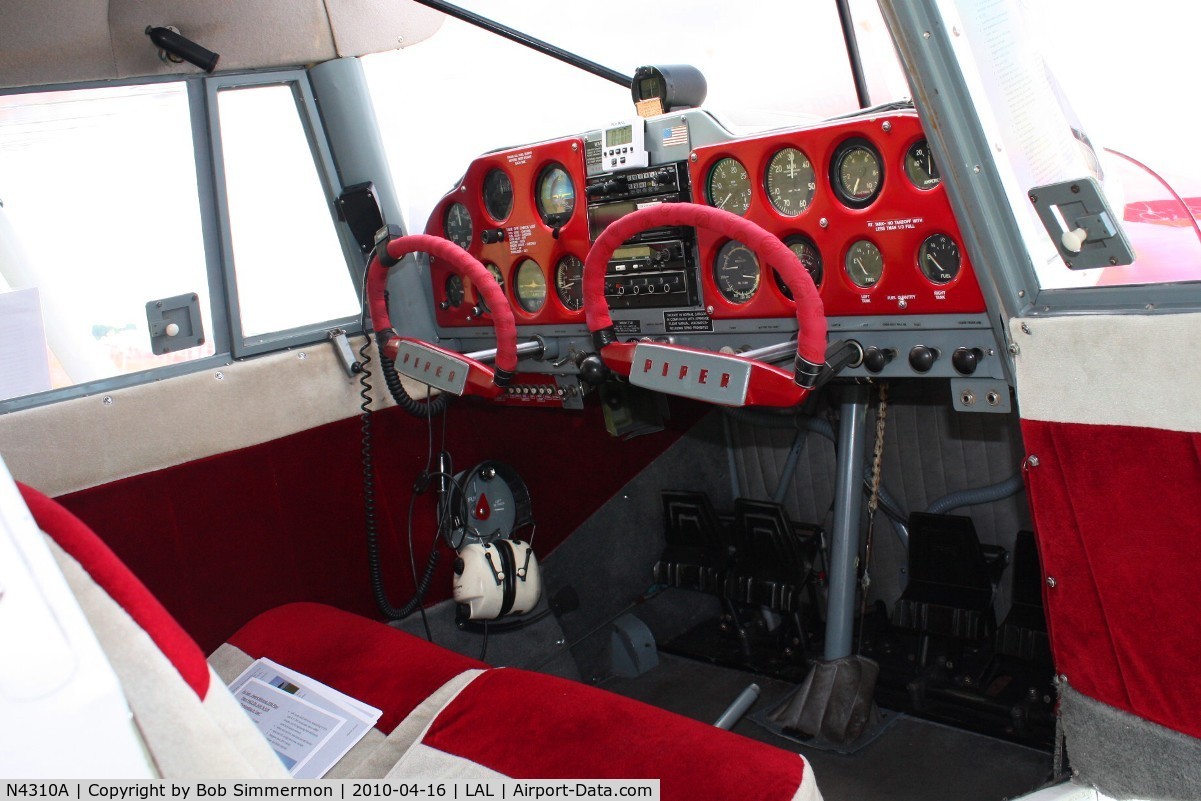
x: 922, y: 358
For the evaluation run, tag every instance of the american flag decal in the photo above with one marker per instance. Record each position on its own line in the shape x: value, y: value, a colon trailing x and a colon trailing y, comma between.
x: 675, y: 135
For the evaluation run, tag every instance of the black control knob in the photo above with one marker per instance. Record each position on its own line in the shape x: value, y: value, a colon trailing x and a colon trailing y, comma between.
x: 665, y: 176
x: 966, y: 360
x: 491, y: 236
x: 921, y: 358
x: 875, y: 359
x: 593, y: 370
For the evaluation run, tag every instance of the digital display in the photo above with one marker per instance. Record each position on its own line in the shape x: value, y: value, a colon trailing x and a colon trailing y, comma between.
x: 602, y: 216
x: 633, y: 252
x: 619, y: 136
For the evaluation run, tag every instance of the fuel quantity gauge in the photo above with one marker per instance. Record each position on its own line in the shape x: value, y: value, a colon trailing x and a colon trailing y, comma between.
x: 864, y: 264
x: 939, y: 259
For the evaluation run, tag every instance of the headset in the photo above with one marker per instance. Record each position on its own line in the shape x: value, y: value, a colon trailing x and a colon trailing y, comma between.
x: 494, y: 575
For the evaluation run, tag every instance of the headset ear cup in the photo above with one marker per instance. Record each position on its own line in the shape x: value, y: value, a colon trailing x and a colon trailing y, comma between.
x: 508, y: 563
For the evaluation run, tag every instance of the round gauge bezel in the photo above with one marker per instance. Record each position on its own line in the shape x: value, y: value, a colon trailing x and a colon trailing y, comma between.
x: 923, y: 249
x: 454, y: 290
x: 491, y: 194
x: 846, y: 269
x: 529, y: 304
x: 909, y: 162
x: 446, y: 225
x: 789, y: 241
x: 730, y: 295
x: 844, y: 151
x: 572, y: 301
x: 554, y: 219
x: 745, y: 191
x: 500, y: 280
x: 767, y: 182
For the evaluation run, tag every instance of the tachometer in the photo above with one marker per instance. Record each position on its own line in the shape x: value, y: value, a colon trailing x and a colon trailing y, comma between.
x: 529, y: 286
x: 457, y: 225
x: 556, y: 196
x: 729, y: 186
x: 809, y: 255
x: 569, y: 282
x: 790, y: 182
x: 938, y: 257
x: 864, y: 264
x: 500, y: 280
x: 856, y: 173
x: 736, y: 272
x: 498, y: 195
x: 920, y: 166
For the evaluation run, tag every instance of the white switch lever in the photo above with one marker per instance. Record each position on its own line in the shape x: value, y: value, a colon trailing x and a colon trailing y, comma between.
x: 1074, y: 240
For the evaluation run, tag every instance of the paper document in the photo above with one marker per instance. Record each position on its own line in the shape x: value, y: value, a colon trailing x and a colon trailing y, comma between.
x: 24, y: 365
x: 310, y: 725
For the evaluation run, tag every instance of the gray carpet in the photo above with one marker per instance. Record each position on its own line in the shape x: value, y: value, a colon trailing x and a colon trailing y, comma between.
x: 912, y: 760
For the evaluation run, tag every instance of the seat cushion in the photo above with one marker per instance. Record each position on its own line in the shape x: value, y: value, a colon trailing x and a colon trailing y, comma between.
x: 526, y: 725
x: 367, y: 660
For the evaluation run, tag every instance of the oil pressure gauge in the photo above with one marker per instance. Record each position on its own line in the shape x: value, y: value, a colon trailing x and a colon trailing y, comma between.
x: 809, y: 256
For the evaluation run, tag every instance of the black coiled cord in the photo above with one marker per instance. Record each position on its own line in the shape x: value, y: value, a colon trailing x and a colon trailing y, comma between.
x: 418, y: 408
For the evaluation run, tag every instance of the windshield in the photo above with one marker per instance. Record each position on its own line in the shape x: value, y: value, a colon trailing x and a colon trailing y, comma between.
x: 768, y: 64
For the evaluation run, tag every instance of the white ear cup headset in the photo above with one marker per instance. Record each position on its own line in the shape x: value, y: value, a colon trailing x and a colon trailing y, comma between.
x: 497, y: 579
x: 493, y: 576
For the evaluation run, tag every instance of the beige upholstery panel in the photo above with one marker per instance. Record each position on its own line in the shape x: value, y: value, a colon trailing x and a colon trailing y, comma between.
x: 85, y: 442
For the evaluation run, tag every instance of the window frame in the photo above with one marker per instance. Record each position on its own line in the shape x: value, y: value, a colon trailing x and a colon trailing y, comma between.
x: 223, y: 326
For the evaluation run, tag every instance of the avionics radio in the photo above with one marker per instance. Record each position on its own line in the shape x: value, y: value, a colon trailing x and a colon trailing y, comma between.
x: 655, y: 269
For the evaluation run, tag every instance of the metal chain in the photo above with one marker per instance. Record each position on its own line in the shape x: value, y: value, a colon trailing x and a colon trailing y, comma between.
x: 873, y: 501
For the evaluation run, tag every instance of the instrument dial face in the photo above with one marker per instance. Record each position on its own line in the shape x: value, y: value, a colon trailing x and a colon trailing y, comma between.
x: 729, y: 186
x: 498, y: 195
x: 790, y: 182
x: 500, y: 281
x: 569, y: 282
x: 556, y: 196
x: 864, y: 264
x: 529, y: 286
x: 920, y: 166
x: 457, y: 225
x: 454, y: 291
x: 939, y: 259
x: 856, y: 173
x: 736, y: 272
x: 809, y: 255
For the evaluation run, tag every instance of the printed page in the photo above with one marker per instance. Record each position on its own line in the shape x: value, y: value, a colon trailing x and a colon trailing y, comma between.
x: 296, y: 729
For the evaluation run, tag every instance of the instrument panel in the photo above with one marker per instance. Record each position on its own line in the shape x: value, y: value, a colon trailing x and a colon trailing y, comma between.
x: 860, y: 201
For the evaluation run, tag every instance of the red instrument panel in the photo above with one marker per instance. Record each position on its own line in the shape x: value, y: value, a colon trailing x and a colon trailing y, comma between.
x: 522, y: 213
x: 859, y: 200
x: 852, y: 190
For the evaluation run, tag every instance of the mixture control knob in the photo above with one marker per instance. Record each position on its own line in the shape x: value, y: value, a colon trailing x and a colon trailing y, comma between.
x: 922, y: 358
x: 966, y: 360
x: 875, y: 359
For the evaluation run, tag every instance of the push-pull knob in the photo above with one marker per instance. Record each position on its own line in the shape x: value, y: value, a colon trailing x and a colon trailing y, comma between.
x: 875, y: 359
x: 922, y: 358
x: 966, y: 360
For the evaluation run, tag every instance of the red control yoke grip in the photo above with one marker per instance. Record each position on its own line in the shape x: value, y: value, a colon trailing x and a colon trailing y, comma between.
x: 465, y: 265
x: 810, y: 313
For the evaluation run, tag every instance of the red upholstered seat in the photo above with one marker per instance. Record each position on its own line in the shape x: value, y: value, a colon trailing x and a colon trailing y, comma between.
x: 377, y: 664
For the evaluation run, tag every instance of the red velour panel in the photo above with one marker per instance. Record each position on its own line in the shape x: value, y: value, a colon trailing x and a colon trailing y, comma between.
x: 221, y: 539
x: 375, y: 663
x: 122, y: 586
x: 1116, y: 512
x: 532, y: 726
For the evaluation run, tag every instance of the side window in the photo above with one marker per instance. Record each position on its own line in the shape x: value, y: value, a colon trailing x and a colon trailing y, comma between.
x: 99, y: 215
x: 288, y: 260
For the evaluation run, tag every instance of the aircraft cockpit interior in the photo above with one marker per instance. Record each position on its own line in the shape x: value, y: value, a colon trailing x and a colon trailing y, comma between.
x: 698, y: 401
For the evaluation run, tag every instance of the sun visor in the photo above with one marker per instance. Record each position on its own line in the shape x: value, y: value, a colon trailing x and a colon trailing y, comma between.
x: 92, y: 40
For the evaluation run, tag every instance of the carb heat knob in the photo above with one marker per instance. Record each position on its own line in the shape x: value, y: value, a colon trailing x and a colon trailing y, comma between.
x: 922, y: 358
x: 966, y: 360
